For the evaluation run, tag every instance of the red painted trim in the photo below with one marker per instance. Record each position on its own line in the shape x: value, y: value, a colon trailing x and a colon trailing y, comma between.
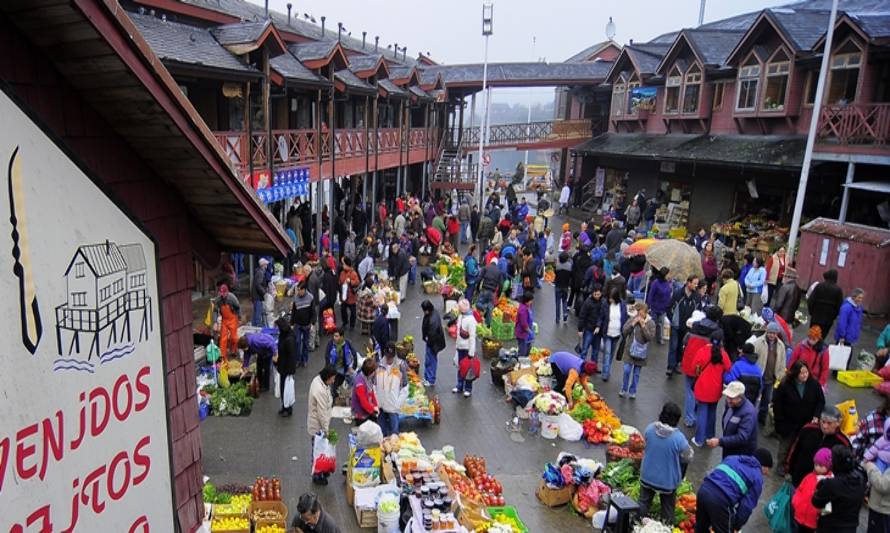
x: 271, y: 31
x: 119, y: 32
x: 276, y: 78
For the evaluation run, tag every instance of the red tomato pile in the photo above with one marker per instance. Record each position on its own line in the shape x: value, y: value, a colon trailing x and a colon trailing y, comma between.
x: 620, y: 452
x: 462, y: 485
x: 490, y: 488
x: 596, y: 431
x: 636, y: 443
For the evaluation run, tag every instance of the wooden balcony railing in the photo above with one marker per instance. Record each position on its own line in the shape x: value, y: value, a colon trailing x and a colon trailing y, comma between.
x: 855, y: 124
x: 291, y: 148
x: 533, y: 132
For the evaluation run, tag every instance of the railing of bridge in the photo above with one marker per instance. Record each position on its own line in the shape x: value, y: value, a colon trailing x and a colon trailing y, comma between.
x: 533, y: 132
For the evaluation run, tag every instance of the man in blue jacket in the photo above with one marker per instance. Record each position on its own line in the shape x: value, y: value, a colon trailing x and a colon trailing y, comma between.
x: 739, y: 423
x: 849, y: 322
x: 661, y: 471
x: 729, y: 493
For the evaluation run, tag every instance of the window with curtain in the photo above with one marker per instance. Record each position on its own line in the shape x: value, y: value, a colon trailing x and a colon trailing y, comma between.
x: 672, y: 91
x: 843, y: 79
x: 692, y: 90
x: 776, y: 83
x: 749, y: 78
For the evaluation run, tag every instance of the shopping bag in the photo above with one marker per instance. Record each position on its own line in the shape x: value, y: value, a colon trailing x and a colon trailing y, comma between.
x: 324, y: 455
x: 778, y: 510
x: 369, y: 434
x: 289, y: 393
x: 838, y: 355
x: 208, y: 320
x: 569, y: 429
x: 849, y: 417
x: 277, y: 384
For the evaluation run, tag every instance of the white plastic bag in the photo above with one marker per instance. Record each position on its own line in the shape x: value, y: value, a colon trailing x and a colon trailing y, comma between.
x: 569, y: 429
x: 369, y: 434
x: 277, y: 384
x: 289, y: 394
x: 764, y: 296
x: 838, y: 356
x: 324, y: 455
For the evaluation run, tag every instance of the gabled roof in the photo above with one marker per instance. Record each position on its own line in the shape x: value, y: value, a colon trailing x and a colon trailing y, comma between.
x: 799, y: 28
x: 404, y: 75
x: 419, y: 93
x: 429, y: 79
x: 519, y: 74
x: 346, y: 81
x: 423, y: 59
x: 318, y: 54
x: 134, y: 256
x: 187, y: 45
x: 875, y: 26
x: 243, y: 37
x: 365, y: 66
x: 710, y: 47
x: 388, y: 88
x: 291, y: 70
x: 591, y: 51
x: 103, y: 259
x: 644, y: 58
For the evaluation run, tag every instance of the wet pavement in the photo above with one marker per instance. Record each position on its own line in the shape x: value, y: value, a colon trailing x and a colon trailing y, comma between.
x: 262, y: 444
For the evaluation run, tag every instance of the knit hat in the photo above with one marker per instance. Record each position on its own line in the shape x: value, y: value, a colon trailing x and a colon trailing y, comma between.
x: 773, y: 327
x: 588, y: 368
x: 764, y: 457
x: 815, y: 332
x: 823, y: 458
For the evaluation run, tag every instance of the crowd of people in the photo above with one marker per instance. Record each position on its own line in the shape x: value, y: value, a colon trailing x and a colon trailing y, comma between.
x: 621, y: 308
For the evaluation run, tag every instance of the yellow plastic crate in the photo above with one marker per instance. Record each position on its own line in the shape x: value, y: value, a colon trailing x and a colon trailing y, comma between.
x: 858, y: 378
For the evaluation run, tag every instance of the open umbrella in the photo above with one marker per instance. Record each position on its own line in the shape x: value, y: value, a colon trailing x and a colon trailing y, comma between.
x: 639, y: 247
x: 682, y: 259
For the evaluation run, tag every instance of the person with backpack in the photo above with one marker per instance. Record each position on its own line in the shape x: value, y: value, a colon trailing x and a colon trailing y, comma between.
x: 746, y: 371
x: 711, y: 363
x: 472, y: 273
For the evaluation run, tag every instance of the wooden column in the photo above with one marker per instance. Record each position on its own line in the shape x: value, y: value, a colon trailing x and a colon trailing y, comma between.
x: 318, y: 148
x: 376, y: 151
x: 367, y: 150
x: 267, y: 122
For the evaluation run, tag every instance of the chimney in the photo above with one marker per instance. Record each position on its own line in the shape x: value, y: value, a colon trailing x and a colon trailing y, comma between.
x: 395, y: 51
x: 322, y: 26
x: 376, y: 42
x: 631, y: 42
x: 267, y: 8
x: 339, y: 31
x: 289, y: 7
x: 364, y: 34
x: 405, y: 53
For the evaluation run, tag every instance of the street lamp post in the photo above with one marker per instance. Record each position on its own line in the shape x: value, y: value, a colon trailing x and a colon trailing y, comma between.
x: 487, y: 22
x: 528, y: 123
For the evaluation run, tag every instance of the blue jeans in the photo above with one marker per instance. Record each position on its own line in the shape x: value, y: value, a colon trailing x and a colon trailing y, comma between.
x: 485, y: 303
x: 412, y: 275
x: 705, y: 421
x: 562, y: 306
x: 430, y: 365
x: 766, y: 396
x: 689, y: 403
x: 259, y: 315
x: 590, y: 343
x: 673, y: 347
x: 463, y: 232
x: 471, y: 288
x: 635, y: 283
x: 301, y: 337
x: 524, y: 347
x: 628, y: 369
x: 389, y: 423
x: 610, y: 346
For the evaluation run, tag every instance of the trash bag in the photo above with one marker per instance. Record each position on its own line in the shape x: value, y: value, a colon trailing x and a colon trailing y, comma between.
x: 778, y: 510
x: 569, y: 429
x: 369, y: 434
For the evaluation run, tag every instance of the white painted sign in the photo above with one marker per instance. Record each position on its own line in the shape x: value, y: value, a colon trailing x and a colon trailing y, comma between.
x: 84, y: 443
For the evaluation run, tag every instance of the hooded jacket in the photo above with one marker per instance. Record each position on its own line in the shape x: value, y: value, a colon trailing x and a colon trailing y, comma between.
x: 287, y: 350
x: 592, y: 315
x: 491, y: 277
x: 431, y: 328
x: 824, y: 303
x: 666, y: 448
x: 747, y: 468
x: 739, y: 430
x: 849, y: 322
x: 746, y: 370
x: 563, y: 273
x: 709, y: 385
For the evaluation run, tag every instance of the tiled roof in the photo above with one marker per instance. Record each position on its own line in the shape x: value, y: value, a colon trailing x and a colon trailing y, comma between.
x: 179, y: 43
x: 353, y: 82
x: 248, y: 11
x: 239, y: 33
x: 288, y: 66
x: 583, y: 55
x: 400, y: 72
x: 312, y: 51
x: 361, y: 62
x: 427, y: 76
x: 876, y: 26
x: 802, y: 27
x: 877, y: 237
x: 418, y: 92
x: 761, y: 150
x: 392, y: 88
x: 713, y: 46
x: 647, y: 56
x: 103, y: 259
x: 505, y: 72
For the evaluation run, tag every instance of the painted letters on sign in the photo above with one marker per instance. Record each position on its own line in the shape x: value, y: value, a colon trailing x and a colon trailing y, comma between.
x: 84, y: 443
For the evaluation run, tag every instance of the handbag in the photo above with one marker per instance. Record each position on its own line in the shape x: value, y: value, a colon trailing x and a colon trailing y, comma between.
x: 638, y: 350
x: 464, y: 334
x: 740, y: 300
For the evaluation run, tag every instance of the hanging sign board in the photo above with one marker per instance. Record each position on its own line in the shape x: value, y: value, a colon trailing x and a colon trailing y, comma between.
x: 84, y: 439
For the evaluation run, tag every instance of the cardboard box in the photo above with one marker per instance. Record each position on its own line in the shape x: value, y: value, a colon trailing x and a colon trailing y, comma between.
x: 389, y: 474
x: 516, y: 374
x: 554, y: 497
x: 350, y: 490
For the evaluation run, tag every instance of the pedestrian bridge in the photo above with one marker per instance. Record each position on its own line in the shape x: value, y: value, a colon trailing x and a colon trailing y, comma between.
x: 541, y: 135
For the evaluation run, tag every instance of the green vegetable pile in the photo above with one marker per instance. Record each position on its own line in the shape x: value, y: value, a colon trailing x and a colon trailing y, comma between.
x: 211, y: 495
x: 581, y: 412
x: 623, y: 476
x: 231, y: 401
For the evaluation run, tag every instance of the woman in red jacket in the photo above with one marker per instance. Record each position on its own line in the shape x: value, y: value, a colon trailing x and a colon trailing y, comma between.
x: 364, y: 400
x: 711, y: 362
x: 814, y: 353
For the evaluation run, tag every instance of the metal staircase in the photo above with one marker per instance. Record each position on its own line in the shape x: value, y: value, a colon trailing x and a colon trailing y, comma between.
x: 451, y: 170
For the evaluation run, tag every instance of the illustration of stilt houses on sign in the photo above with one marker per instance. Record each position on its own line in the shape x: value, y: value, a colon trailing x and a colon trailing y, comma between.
x: 106, y: 297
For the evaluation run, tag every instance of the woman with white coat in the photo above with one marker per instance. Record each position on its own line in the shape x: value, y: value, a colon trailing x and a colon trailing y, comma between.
x: 321, y: 404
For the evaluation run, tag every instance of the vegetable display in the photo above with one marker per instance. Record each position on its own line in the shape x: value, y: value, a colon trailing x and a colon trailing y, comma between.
x: 265, y: 489
x: 489, y: 487
x: 229, y: 524
x: 229, y: 401
x: 550, y: 403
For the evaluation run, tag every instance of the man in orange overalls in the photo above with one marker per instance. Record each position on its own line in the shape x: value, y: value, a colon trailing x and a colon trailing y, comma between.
x: 227, y: 309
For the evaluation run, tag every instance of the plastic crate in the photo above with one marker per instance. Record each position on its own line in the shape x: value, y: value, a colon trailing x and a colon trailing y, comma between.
x: 503, y: 331
x: 508, y: 511
x: 858, y: 378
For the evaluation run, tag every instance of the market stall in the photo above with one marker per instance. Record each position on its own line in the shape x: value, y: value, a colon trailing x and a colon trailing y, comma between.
x: 237, y: 508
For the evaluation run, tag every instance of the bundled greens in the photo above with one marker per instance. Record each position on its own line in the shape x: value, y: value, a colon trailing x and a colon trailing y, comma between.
x: 231, y: 401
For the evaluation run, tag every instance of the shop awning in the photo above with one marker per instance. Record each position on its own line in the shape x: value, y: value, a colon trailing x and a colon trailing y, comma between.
x: 767, y: 151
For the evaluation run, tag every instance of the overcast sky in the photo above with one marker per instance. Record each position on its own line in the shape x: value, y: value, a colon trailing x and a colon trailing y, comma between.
x: 451, y: 31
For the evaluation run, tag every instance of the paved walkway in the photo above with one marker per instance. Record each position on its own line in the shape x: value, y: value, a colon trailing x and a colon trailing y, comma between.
x: 262, y: 444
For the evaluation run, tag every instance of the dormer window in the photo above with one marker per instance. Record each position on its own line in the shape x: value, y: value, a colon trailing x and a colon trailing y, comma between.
x: 776, y: 85
x: 749, y: 77
x: 692, y: 89
x: 843, y: 78
x: 672, y: 91
x: 618, y: 99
